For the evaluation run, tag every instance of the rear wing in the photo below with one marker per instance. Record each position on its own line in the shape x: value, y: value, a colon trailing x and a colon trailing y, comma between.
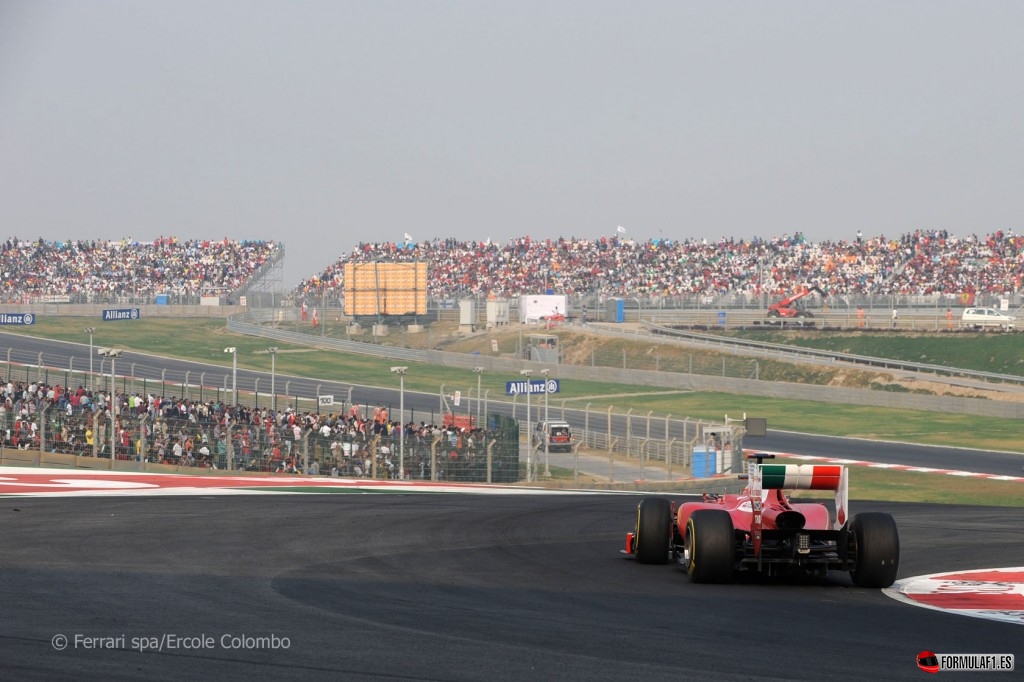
x: 799, y: 477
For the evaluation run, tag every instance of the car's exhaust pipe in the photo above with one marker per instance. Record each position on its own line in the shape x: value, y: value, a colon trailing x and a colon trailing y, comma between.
x: 784, y: 520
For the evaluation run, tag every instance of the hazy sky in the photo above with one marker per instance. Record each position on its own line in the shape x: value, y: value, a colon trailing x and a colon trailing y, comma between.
x: 322, y: 124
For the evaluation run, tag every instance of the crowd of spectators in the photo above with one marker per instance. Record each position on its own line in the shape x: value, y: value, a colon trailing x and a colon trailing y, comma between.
x: 360, y: 442
x: 85, y: 271
x: 921, y: 262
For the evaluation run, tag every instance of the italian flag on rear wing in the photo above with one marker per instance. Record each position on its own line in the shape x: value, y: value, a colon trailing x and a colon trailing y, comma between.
x: 811, y: 477
x: 801, y: 476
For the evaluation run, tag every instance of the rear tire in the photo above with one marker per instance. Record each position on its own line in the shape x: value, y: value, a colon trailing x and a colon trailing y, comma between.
x: 877, y: 547
x: 709, y: 546
x: 653, y: 530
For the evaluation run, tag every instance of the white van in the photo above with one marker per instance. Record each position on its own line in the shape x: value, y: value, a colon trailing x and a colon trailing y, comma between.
x: 552, y: 436
x: 983, y: 318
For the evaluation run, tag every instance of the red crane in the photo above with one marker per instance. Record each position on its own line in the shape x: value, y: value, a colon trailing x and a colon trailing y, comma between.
x: 790, y: 306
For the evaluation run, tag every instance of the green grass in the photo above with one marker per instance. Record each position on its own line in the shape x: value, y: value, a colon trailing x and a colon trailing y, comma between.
x: 985, y: 352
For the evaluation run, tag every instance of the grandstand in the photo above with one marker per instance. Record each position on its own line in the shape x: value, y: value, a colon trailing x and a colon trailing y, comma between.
x: 166, y: 270
x: 927, y: 266
x: 924, y: 267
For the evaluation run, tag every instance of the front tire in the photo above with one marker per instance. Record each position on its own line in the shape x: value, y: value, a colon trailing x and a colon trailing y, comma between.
x: 708, y: 546
x: 653, y: 530
x: 877, y: 550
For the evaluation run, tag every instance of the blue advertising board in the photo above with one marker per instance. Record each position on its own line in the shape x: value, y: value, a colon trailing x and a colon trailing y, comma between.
x: 120, y: 314
x: 533, y: 386
x: 17, y: 318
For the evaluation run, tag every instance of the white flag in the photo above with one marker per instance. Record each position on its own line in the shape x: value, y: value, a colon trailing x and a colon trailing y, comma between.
x: 621, y: 228
x: 408, y: 237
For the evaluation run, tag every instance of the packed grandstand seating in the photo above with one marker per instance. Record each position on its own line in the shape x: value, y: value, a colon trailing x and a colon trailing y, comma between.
x: 921, y: 262
x: 918, y: 263
x: 83, y: 271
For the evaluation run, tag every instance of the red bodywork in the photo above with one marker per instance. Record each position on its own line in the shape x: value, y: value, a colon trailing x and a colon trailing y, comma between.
x: 776, y: 511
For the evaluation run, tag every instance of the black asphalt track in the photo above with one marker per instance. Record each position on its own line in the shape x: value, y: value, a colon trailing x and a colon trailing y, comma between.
x: 383, y: 587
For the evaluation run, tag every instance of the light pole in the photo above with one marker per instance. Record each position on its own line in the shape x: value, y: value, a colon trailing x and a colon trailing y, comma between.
x: 273, y: 373
x: 547, y: 427
x: 90, y: 331
x: 529, y: 432
x: 234, y: 372
x: 400, y: 371
x: 113, y: 354
x: 479, y: 375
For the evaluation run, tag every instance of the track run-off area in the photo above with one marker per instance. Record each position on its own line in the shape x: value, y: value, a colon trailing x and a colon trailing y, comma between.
x: 85, y: 483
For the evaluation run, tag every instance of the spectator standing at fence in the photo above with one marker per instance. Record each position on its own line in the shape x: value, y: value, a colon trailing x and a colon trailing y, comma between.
x: 126, y: 440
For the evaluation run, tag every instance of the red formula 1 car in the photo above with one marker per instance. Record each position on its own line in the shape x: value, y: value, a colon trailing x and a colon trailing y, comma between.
x: 760, y: 530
